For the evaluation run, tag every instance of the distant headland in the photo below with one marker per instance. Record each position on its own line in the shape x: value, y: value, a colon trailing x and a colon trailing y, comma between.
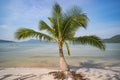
x: 6, y: 41
x: 114, y: 39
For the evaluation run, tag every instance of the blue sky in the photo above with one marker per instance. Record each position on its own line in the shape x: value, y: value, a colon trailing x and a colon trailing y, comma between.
x: 104, y: 15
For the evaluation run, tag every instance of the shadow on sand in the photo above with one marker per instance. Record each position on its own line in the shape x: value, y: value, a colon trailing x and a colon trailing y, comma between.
x: 5, y: 76
x: 25, y: 77
x: 2, y: 69
x: 92, y: 64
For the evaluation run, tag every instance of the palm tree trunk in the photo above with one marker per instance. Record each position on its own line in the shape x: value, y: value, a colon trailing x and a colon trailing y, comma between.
x: 63, y: 63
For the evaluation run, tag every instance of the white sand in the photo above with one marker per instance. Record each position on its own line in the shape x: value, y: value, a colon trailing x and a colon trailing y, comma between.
x: 101, y: 73
x: 41, y: 73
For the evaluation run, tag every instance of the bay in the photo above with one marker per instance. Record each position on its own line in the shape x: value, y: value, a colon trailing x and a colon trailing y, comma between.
x: 46, y: 54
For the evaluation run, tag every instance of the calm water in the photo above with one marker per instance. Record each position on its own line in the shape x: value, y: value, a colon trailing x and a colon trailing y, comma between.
x: 46, y: 54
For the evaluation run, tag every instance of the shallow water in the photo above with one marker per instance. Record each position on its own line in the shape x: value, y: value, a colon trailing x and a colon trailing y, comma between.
x: 46, y: 54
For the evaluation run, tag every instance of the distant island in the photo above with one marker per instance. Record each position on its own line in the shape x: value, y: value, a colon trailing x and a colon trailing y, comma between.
x: 31, y: 41
x: 114, y: 39
x: 35, y: 41
x: 6, y: 41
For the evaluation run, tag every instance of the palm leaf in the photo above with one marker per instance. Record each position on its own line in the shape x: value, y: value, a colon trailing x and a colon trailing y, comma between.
x: 68, y: 48
x: 72, y: 21
x: 77, y: 16
x: 91, y: 40
x: 80, y: 20
x: 43, y: 26
x: 24, y: 33
x: 51, y: 20
x: 57, y: 17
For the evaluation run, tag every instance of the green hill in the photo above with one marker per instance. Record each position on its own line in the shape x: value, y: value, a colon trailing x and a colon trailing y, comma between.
x: 114, y: 39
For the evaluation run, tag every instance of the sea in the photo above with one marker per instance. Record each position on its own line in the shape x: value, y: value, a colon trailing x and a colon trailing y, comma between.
x: 47, y: 55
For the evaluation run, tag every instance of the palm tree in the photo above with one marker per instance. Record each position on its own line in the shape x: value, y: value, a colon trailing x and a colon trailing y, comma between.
x: 62, y: 29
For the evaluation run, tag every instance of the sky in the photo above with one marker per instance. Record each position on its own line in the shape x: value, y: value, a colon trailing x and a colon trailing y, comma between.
x: 104, y: 16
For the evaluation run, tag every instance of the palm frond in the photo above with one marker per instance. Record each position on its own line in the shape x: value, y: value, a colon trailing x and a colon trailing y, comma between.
x: 91, y: 40
x: 68, y: 48
x: 57, y: 16
x: 51, y: 20
x: 72, y: 21
x: 24, y: 33
x: 56, y: 10
x: 80, y: 20
x: 43, y: 26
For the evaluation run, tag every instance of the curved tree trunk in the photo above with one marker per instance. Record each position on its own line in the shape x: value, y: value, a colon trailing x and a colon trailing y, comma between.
x: 63, y: 63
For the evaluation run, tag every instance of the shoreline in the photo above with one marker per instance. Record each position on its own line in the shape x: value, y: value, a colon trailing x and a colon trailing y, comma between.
x: 54, y: 64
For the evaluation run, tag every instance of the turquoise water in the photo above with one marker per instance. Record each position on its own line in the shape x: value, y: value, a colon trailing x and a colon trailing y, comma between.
x: 46, y: 54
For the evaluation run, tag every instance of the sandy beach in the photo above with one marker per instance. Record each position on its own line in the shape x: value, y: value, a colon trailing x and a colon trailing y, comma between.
x: 107, y: 73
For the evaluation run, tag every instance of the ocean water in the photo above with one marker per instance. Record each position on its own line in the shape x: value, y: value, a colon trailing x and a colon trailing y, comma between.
x: 46, y: 54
